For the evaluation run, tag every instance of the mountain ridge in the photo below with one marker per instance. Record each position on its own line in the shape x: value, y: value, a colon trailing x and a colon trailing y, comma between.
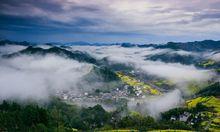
x: 173, y: 45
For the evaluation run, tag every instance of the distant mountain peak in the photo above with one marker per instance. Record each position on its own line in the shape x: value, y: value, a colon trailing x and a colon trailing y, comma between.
x: 77, y: 43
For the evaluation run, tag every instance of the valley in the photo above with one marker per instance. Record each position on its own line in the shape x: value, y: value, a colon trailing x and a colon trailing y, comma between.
x: 109, y: 88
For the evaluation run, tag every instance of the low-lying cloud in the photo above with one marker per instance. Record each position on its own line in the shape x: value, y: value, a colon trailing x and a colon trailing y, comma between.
x: 8, y: 49
x: 181, y: 75
x: 156, y: 105
x: 215, y: 57
x: 38, y: 77
x: 175, y: 72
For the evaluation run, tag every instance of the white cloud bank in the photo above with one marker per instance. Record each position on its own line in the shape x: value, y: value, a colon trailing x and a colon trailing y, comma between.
x: 215, y: 57
x: 135, y: 56
x: 156, y: 105
x: 38, y: 77
x: 8, y: 49
x: 177, y: 73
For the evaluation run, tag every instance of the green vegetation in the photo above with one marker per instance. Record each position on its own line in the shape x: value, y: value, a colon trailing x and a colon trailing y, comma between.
x: 14, y: 117
x: 135, y: 83
x: 217, y: 70
x: 212, y: 114
x: 56, y: 116
x: 169, y: 130
x: 211, y: 90
x: 195, y: 87
x: 160, y: 83
x: 59, y: 116
x: 209, y: 101
x: 136, y: 121
x: 204, y: 89
x: 105, y: 74
x: 193, y: 117
x: 207, y: 63
x: 203, y: 111
x: 120, y: 130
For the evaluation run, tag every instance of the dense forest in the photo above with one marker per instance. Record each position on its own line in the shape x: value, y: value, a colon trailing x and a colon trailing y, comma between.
x: 59, y: 116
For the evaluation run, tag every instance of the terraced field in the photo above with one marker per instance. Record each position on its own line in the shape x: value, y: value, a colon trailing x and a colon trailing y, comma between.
x: 213, y: 114
x: 145, y: 88
x: 160, y: 83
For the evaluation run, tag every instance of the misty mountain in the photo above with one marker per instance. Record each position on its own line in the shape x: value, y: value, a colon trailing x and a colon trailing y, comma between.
x: 77, y: 43
x: 127, y: 45
x: 76, y: 55
x: 193, y: 46
x: 211, y: 90
x: 129, y: 82
x: 187, y: 46
x: 174, y: 58
x: 9, y: 42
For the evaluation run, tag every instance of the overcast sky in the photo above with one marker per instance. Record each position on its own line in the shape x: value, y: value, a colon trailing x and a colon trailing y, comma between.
x: 136, y: 21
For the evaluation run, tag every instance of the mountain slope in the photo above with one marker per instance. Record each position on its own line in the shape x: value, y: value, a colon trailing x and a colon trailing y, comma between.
x: 76, y: 55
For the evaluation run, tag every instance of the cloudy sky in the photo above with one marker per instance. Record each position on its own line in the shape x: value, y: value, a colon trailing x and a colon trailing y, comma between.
x: 136, y: 21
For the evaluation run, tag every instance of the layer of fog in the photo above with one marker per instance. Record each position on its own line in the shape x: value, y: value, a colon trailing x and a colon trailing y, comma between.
x: 8, y: 49
x: 175, y: 72
x: 156, y: 105
x: 213, y: 56
x: 107, y: 51
x: 39, y: 77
